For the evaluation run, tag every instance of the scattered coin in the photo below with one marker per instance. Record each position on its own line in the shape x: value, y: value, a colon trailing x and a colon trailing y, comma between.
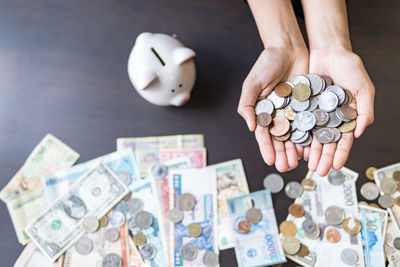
x: 296, y: 210
x: 291, y: 245
x: 84, y: 245
x: 288, y: 228
x: 135, y: 205
x: 194, y: 229
x: 158, y: 171
x: 315, y: 234
x: 352, y: 225
x: 111, y: 234
x: 397, y: 201
x: 143, y: 219
x: 334, y: 215
x: 90, y: 224
x: 369, y: 191
x: 309, y: 226
x: 308, y: 184
x: 244, y: 227
x: 274, y: 182
x: 103, y: 221
x: 396, y: 176
x: 283, y: 89
x: 349, y: 256
x: 374, y: 205
x: 336, y: 177
x: 189, y: 252
x: 385, y: 201
x: 116, y: 218
x: 253, y: 215
x: 132, y: 225
x: 333, y: 235
x: 396, y: 243
x: 148, y: 251
x: 370, y: 173
x: 210, y: 259
x: 186, y: 202
x: 303, y: 252
x: 388, y: 186
x: 139, y: 239
x: 362, y: 203
x: 175, y: 215
x: 293, y: 190
x: 112, y: 260
x: 264, y: 119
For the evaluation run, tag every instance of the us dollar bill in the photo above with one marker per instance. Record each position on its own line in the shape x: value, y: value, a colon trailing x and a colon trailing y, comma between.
x: 60, y: 226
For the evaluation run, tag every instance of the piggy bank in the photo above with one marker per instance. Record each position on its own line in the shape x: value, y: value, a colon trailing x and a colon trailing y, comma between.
x: 162, y: 69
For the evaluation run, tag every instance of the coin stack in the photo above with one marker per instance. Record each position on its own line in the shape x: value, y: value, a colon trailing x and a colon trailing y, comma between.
x: 306, y: 106
x: 253, y: 216
x: 189, y: 251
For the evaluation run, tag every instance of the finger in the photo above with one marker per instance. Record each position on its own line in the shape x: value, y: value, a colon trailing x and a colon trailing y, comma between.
x: 291, y: 154
x: 315, y: 154
x: 300, y: 151
x: 281, y: 162
x: 343, y: 150
x: 306, y: 155
x: 365, y: 108
x: 248, y: 98
x: 325, y: 163
x: 265, y: 144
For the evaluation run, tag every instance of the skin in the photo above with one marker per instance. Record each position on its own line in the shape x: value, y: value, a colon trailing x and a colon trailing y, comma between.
x: 286, y: 55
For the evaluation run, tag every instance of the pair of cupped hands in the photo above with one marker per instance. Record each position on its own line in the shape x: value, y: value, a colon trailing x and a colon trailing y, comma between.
x: 276, y: 65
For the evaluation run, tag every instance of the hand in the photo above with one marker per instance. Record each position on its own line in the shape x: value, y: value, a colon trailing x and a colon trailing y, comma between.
x: 346, y: 70
x: 273, y: 66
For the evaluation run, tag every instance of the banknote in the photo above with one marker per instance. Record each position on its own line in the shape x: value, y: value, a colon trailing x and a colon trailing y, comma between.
x: 201, y: 184
x: 135, y: 260
x: 231, y: 183
x: 261, y: 246
x: 147, y: 149
x: 122, y: 163
x: 60, y: 226
x: 392, y: 254
x: 48, y: 156
x: 197, y: 155
x: 31, y: 256
x: 373, y: 227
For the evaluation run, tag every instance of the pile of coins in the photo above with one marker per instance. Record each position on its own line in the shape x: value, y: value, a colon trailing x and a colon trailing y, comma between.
x: 189, y: 251
x: 306, y: 106
x: 253, y: 216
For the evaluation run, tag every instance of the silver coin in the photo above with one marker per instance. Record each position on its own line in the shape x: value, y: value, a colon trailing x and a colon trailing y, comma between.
x: 328, y: 101
x: 148, y: 251
x: 210, y: 259
x: 337, y: 135
x: 189, y: 252
x: 158, y: 170
x: 385, y: 201
x: 305, y: 121
x: 143, y: 219
x: 111, y: 234
x: 302, y: 139
x: 278, y: 101
x: 313, y: 104
x: 293, y: 126
x: 125, y: 177
x: 264, y: 105
x: 362, y: 203
x: 116, y: 218
x: 297, y: 135
x: 338, y: 91
x: 300, y: 79
x: 175, y: 215
x: 307, y: 215
x: 84, y: 245
x: 293, y: 189
x: 90, y: 224
x: 317, y: 83
x: 340, y: 115
x: 369, y: 191
x: 388, y: 186
x: 279, y: 113
x: 308, y: 226
x: 299, y: 105
x: 135, y: 205
x: 122, y: 207
x: 324, y: 135
x: 334, y: 215
x: 274, y: 182
x: 396, y: 243
x: 349, y: 256
x: 253, y: 215
x: 336, y: 177
x: 186, y: 202
x: 112, y: 260
x: 307, y: 142
x: 334, y: 121
x: 132, y: 225
x: 321, y: 116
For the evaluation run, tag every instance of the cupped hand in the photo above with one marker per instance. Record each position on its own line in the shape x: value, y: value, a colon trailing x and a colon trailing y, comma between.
x: 346, y: 70
x: 273, y: 66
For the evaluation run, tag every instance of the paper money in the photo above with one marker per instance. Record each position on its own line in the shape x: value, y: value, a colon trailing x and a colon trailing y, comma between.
x: 197, y: 155
x: 231, y: 183
x: 122, y: 163
x: 392, y: 254
x: 201, y: 183
x: 31, y: 256
x: 261, y: 246
x: 60, y: 226
x: 373, y: 227
x: 147, y: 149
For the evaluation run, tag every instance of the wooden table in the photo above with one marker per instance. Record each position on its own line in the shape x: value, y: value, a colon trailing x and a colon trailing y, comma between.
x: 63, y: 71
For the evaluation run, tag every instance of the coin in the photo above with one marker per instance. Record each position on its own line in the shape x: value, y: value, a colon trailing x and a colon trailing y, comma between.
x: 396, y: 176
x: 274, y: 182
x: 90, y: 224
x: 116, y: 218
x: 277, y: 101
x: 253, y: 215
x: 103, y: 221
x: 303, y: 252
x: 333, y: 235
x: 132, y: 225
x: 397, y: 201
x: 111, y: 234
x: 308, y: 184
x: 321, y: 117
x: 300, y: 79
x: 175, y: 215
x: 186, y: 202
x: 308, y: 226
x: 125, y: 177
x: 324, y: 135
x: 338, y: 91
x: 348, y: 112
x: 306, y: 121
x: 362, y: 203
x: 189, y: 252
x: 396, y: 243
x: 280, y: 126
x: 293, y: 189
x: 264, y: 105
x: 388, y: 186
x: 143, y: 219
x: 299, y: 105
x: 317, y: 83
x: 194, y: 229
x: 334, y: 215
x: 282, y: 138
x: 283, y: 89
x: 291, y: 245
x: 288, y: 228
x: 296, y: 210
x: 158, y: 170
x: 349, y: 256
x: 289, y: 113
x: 243, y: 227
x: 347, y: 126
x: 337, y: 135
x: 148, y: 251
x: 327, y: 79
x: 336, y: 177
x: 352, y: 225
x: 112, y: 260
x: 135, y: 205
x: 84, y: 245
x: 369, y: 191
x: 334, y: 121
x: 210, y: 259
x: 315, y: 234
x: 301, y: 92
x: 264, y: 119
x: 139, y: 239
x: 374, y: 205
x: 385, y: 201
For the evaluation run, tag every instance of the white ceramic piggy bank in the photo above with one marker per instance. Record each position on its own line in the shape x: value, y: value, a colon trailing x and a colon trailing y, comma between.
x: 162, y: 69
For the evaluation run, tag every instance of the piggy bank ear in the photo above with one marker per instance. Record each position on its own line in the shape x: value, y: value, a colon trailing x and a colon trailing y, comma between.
x: 144, y: 79
x: 143, y: 37
x: 183, y: 54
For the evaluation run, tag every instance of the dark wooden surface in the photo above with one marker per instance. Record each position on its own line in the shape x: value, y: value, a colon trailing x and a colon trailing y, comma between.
x: 63, y: 71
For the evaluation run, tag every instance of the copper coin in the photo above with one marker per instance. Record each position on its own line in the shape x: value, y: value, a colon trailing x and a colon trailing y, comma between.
x: 333, y: 235
x: 264, y: 119
x: 288, y: 228
x: 244, y: 227
x: 351, y: 225
x: 280, y: 126
x: 370, y: 173
x: 349, y: 95
x: 282, y: 138
x: 283, y: 89
x: 296, y: 210
x: 374, y: 205
x: 308, y: 184
x: 348, y: 112
x: 303, y: 251
x: 396, y: 176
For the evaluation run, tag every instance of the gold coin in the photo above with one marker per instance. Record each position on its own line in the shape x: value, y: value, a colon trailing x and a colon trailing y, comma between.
x: 139, y: 239
x: 283, y: 89
x: 308, y: 184
x: 396, y: 176
x: 194, y: 230
x: 289, y: 113
x: 103, y: 221
x: 347, y: 126
x: 370, y: 173
x: 303, y: 251
x: 291, y: 245
x: 352, y: 225
x: 301, y: 92
x: 288, y: 228
x: 397, y: 201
